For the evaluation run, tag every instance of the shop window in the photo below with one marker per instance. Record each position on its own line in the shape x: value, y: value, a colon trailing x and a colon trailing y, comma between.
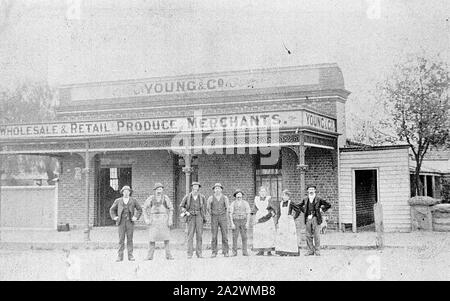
x: 113, y: 179
x: 437, y: 186
x: 429, y: 185
x: 270, y: 177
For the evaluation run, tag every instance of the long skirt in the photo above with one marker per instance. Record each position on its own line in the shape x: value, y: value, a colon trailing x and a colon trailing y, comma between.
x: 159, y: 229
x: 264, y: 236
x: 286, y: 238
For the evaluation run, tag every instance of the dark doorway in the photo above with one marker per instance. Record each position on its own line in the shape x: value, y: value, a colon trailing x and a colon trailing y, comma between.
x: 366, y: 195
x: 111, y: 180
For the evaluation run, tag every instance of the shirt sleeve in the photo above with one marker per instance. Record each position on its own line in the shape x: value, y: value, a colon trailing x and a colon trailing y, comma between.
x: 169, y: 203
x: 208, y: 204
x: 247, y: 208
x: 183, y: 203
x: 227, y: 203
x: 231, y: 210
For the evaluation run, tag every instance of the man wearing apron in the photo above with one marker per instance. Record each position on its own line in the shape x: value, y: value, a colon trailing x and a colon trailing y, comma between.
x: 158, y: 212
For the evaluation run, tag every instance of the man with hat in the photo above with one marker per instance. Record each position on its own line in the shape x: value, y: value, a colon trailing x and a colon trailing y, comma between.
x: 125, y: 211
x: 158, y: 214
x: 193, y: 207
x: 217, y: 207
x: 313, y: 207
x: 240, y: 220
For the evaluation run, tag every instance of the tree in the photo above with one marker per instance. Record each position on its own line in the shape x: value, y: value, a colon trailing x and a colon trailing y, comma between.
x: 417, y: 95
x: 368, y: 121
x: 27, y: 103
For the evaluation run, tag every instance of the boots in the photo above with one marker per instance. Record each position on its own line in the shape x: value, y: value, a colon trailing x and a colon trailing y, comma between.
x: 151, y: 250
x: 168, y: 255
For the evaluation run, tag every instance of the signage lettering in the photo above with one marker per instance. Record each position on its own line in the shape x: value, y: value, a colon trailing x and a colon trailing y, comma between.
x: 287, y: 119
x: 320, y: 122
x: 200, y: 83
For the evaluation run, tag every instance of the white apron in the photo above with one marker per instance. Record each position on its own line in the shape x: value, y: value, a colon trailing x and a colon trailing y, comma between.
x: 263, y: 233
x: 159, y: 229
x: 286, y: 238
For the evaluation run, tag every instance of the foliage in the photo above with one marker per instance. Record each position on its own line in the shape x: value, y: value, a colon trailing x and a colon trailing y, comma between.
x: 417, y: 95
x: 446, y: 190
x: 28, y: 103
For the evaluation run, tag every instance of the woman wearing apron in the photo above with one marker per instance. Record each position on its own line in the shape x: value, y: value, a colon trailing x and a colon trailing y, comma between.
x: 286, y: 238
x: 264, y: 229
x: 158, y: 211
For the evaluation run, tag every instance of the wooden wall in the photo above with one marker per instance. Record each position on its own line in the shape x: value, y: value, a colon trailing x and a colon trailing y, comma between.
x: 392, y: 165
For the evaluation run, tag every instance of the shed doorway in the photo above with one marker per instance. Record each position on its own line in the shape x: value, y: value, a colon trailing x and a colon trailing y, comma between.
x: 366, y: 195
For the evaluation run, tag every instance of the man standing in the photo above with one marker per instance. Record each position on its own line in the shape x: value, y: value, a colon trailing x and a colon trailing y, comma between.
x: 217, y: 207
x: 158, y: 212
x: 125, y: 211
x: 193, y: 207
x: 240, y: 220
x: 313, y: 207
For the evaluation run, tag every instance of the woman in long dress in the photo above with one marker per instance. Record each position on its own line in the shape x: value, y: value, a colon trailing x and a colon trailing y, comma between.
x: 264, y: 225
x: 286, y: 237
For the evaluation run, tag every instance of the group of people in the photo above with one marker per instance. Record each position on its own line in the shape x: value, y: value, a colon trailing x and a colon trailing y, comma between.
x: 274, y: 227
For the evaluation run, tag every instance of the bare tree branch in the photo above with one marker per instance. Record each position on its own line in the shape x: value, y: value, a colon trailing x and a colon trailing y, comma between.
x: 418, y: 91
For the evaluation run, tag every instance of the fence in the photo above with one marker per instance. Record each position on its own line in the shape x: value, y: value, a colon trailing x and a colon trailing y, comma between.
x: 30, y: 207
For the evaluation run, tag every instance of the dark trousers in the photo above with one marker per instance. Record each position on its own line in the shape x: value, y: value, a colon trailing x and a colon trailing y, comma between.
x: 152, y: 246
x: 240, y: 228
x: 216, y: 222
x: 312, y: 235
x: 195, y: 226
x: 126, y: 227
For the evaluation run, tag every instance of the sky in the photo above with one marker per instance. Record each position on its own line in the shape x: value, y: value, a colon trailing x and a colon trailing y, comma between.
x: 77, y: 41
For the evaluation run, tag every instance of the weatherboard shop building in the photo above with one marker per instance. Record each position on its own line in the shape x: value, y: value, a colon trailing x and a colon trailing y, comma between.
x: 280, y: 127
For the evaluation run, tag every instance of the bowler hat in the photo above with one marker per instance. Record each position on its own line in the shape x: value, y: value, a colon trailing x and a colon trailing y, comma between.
x: 311, y: 186
x: 196, y: 183
x: 126, y: 187
x: 217, y: 185
x: 237, y: 191
x: 157, y: 185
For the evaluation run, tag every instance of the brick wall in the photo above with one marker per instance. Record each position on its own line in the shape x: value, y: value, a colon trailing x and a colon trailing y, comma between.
x: 323, y: 173
x: 71, y: 198
x: 148, y: 167
x: 232, y: 171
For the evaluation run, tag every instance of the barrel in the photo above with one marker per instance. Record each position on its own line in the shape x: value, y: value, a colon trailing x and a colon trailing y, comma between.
x: 441, y: 217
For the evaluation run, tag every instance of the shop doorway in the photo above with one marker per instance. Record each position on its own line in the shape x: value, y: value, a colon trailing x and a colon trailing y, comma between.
x: 366, y: 195
x: 110, y: 181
